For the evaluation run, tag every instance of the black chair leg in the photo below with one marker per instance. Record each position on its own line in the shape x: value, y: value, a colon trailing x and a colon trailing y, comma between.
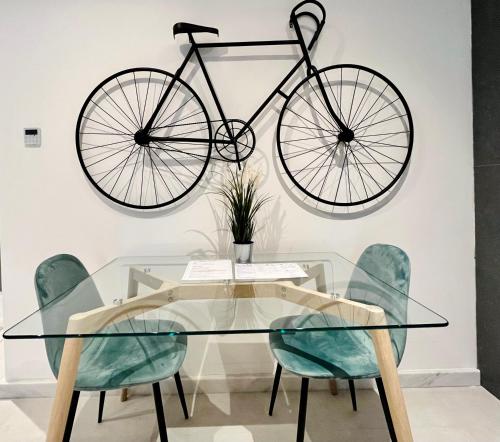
x: 276, y: 384
x: 102, y: 396
x: 302, y: 409
x: 385, y: 406
x: 180, y: 391
x: 162, y: 425
x: 353, y: 395
x: 71, y: 416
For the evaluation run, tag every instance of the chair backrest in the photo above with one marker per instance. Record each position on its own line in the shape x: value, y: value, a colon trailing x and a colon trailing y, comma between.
x: 55, y: 279
x: 391, y: 267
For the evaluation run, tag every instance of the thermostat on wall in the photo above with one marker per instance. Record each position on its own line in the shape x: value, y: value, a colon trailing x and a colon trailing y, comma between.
x: 32, y: 137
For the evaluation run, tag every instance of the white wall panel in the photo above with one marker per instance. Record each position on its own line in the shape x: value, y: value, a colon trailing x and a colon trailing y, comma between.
x: 55, y: 52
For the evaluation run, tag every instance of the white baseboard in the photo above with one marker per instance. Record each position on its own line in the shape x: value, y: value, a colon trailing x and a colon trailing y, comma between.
x: 223, y: 384
x: 458, y: 377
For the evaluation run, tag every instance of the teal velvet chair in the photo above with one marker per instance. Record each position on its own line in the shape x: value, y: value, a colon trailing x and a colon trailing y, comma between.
x: 347, y: 354
x: 105, y: 363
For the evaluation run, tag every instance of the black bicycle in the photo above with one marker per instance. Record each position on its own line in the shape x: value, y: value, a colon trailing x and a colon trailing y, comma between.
x: 344, y: 135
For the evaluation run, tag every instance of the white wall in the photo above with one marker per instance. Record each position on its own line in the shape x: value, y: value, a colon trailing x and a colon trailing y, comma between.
x: 53, y: 54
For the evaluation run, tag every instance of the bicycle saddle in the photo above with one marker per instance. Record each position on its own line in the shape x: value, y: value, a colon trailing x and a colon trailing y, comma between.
x: 189, y: 28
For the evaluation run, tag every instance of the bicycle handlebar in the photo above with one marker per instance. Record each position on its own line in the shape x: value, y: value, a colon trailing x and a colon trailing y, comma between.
x: 319, y: 23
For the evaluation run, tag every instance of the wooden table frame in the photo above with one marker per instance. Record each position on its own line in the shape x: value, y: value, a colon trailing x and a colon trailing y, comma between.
x: 167, y: 292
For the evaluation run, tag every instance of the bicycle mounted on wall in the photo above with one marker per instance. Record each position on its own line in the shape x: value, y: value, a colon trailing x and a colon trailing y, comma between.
x: 344, y: 134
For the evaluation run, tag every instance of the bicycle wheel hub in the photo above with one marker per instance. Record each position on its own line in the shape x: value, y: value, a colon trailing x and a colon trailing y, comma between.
x: 346, y: 136
x: 142, y: 138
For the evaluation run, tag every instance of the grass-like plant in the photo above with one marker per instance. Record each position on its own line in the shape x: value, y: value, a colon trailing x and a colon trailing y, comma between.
x: 239, y: 197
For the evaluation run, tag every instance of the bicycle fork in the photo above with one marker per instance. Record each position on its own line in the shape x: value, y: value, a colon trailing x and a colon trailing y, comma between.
x: 345, y: 134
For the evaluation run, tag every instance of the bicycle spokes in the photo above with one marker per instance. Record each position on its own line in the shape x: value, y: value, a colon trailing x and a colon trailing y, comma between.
x: 116, y: 153
x: 351, y: 165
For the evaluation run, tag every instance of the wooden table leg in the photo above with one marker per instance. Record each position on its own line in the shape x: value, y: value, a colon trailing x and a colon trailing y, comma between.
x: 64, y: 390
x: 389, y: 373
x: 333, y: 387
x: 124, y: 395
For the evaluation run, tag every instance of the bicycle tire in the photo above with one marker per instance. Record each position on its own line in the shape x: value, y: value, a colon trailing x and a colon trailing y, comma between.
x: 375, y: 166
x: 115, y: 111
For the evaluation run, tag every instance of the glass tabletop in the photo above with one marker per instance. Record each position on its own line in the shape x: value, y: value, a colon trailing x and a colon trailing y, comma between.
x: 148, y: 296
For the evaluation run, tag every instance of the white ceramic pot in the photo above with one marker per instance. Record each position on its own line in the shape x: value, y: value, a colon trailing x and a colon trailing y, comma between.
x: 243, y: 252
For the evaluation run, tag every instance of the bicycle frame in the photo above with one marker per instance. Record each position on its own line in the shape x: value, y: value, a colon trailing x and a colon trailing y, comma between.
x: 321, y: 165
x: 195, y: 50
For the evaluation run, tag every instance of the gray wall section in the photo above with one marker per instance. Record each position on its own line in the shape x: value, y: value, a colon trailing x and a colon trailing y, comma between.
x: 486, y: 91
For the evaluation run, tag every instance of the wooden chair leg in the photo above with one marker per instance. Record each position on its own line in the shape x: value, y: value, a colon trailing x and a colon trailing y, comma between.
x: 353, y: 395
x: 162, y: 425
x: 71, y: 416
x: 276, y: 384
x: 102, y: 396
x: 301, y: 427
x: 180, y: 391
x: 385, y: 406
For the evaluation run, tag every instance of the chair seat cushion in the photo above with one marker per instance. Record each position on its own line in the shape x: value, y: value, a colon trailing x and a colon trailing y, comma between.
x: 108, y: 363
x: 344, y: 354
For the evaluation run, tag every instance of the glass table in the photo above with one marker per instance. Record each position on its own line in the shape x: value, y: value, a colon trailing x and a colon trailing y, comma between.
x: 151, y: 291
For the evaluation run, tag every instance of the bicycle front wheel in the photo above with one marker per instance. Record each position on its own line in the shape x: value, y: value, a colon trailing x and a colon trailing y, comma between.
x: 339, y: 167
x: 125, y: 168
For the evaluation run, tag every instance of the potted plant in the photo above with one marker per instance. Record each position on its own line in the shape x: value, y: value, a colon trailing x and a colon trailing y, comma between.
x: 239, y: 197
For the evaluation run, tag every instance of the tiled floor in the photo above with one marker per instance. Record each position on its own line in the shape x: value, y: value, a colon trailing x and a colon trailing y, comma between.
x: 438, y: 414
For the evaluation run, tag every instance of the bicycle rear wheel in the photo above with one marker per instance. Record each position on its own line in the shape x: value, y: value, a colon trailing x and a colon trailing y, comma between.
x: 127, y: 170
x: 326, y: 164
